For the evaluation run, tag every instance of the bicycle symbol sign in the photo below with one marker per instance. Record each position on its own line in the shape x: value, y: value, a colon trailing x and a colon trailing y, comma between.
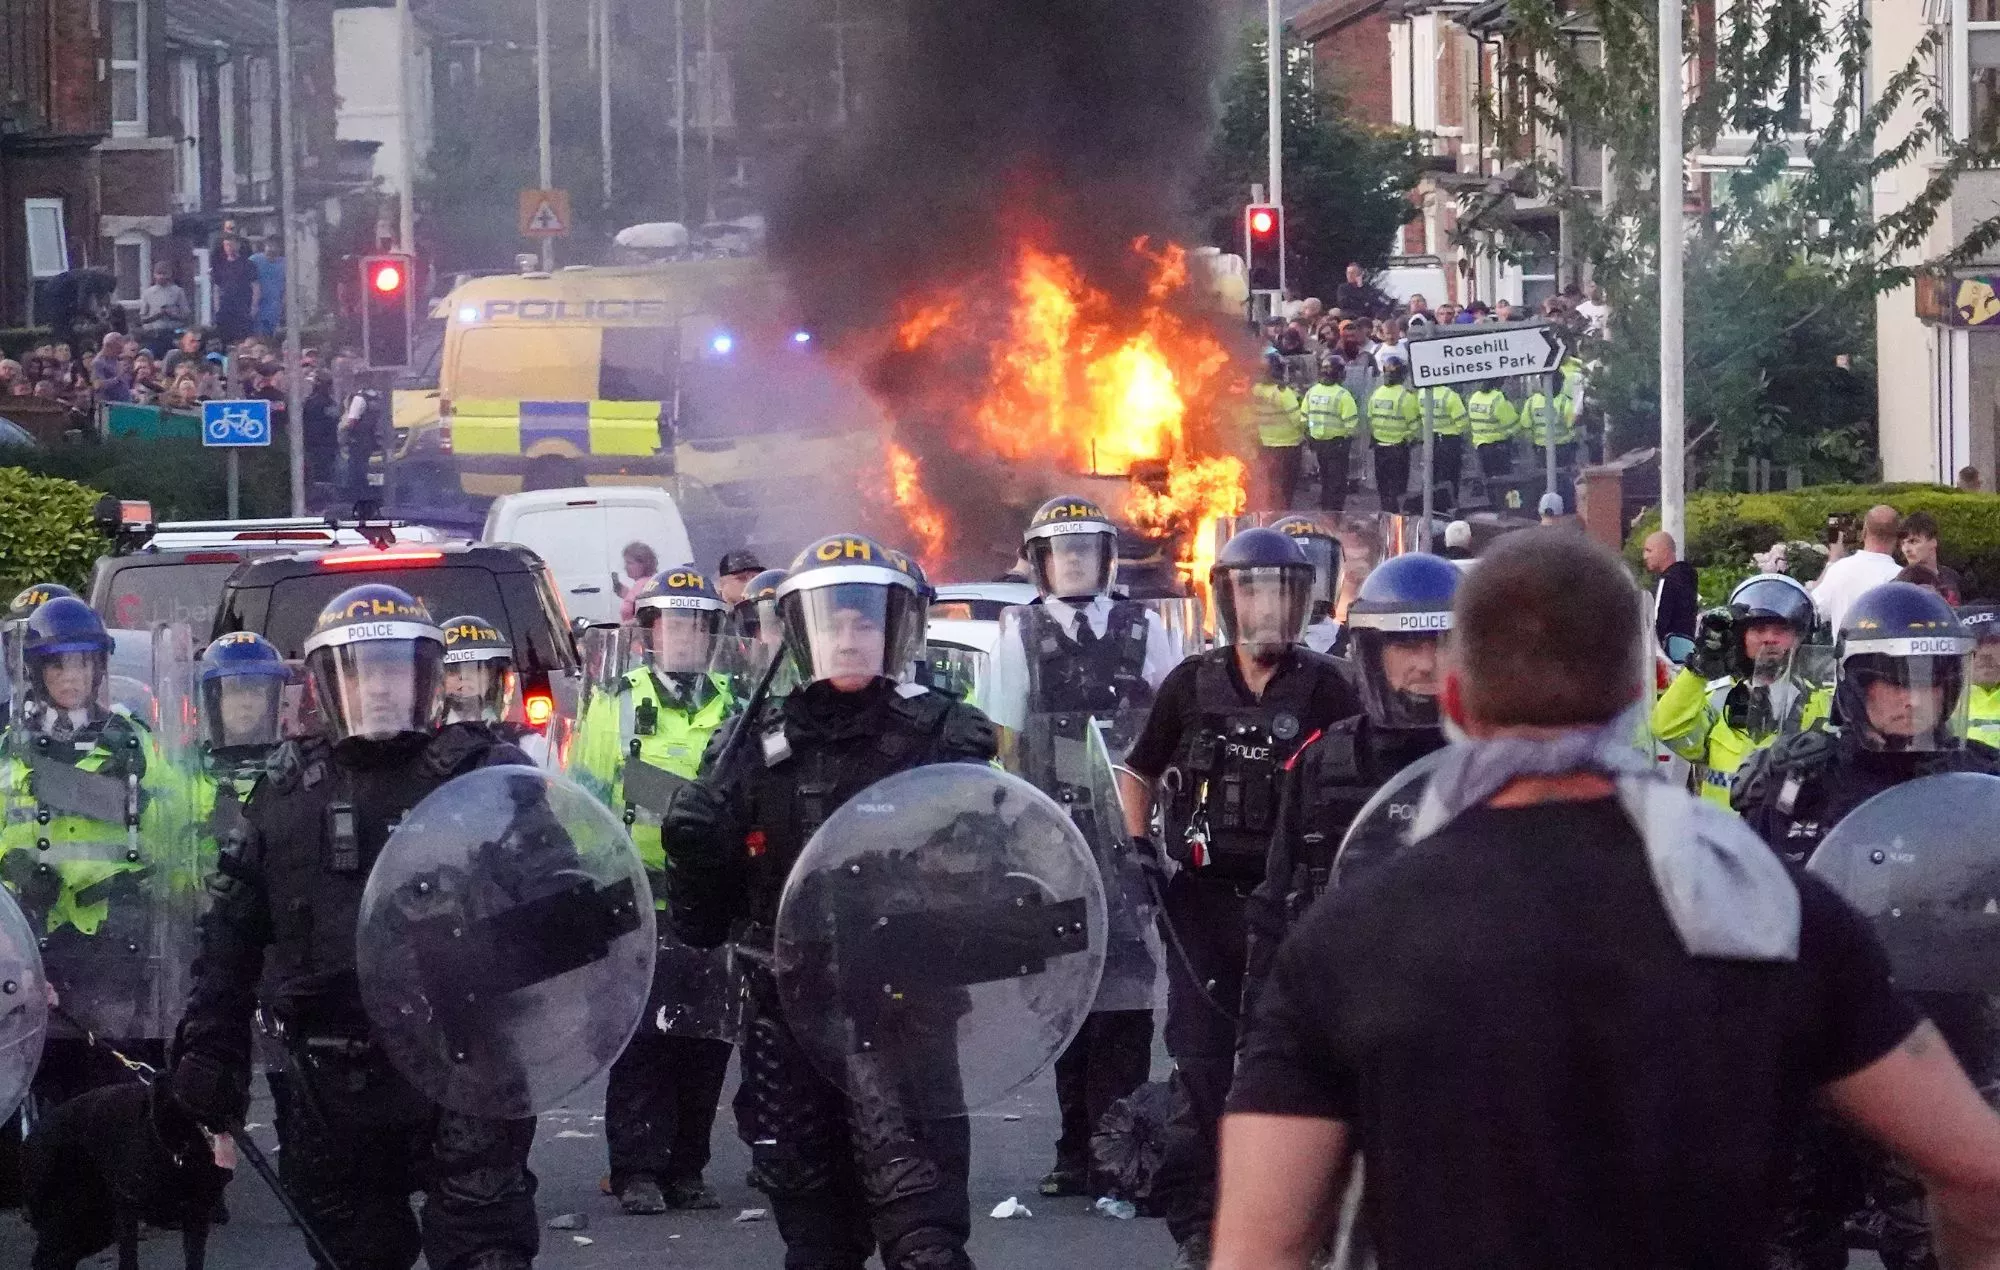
x: 235, y: 423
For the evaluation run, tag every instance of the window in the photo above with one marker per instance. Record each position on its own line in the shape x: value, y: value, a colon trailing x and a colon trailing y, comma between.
x: 48, y: 238
x: 128, y: 68
x: 263, y: 128
x: 131, y: 261
x: 1982, y: 69
x: 187, y: 107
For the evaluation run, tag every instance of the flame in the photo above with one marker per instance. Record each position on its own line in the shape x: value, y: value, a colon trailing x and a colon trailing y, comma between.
x: 906, y: 490
x: 1082, y: 382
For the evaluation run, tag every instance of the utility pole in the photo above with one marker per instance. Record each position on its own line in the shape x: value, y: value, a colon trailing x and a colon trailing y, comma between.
x: 1276, y: 77
x: 604, y: 93
x: 288, y: 213
x: 681, y: 106
x: 542, y: 111
x: 406, y: 176
x: 1673, y: 361
x: 708, y: 100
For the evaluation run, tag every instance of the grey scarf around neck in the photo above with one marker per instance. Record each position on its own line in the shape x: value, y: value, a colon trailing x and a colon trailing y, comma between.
x: 1727, y: 894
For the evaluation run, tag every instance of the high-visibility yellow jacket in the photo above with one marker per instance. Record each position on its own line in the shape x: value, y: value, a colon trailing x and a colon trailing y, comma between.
x: 1281, y: 420
x: 1691, y: 718
x: 1493, y: 417
x: 1983, y: 709
x: 1543, y: 412
x: 1332, y: 414
x: 1448, y: 411
x: 1394, y: 417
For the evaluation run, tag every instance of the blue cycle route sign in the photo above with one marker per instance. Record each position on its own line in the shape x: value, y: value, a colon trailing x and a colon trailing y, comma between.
x: 235, y: 424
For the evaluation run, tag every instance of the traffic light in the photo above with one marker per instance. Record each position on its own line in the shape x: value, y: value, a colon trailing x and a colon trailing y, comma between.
x: 1264, y: 245
x: 386, y: 310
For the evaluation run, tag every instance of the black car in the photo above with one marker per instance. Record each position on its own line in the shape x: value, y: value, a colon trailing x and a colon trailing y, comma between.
x: 280, y: 597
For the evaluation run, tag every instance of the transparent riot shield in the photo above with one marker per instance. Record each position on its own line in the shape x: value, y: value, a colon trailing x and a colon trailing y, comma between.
x: 506, y: 941
x: 1382, y: 826
x: 963, y: 674
x: 1812, y: 670
x: 1184, y: 621
x: 1918, y: 861
x: 98, y: 847
x: 940, y: 939
x: 24, y: 1006
x: 1070, y: 757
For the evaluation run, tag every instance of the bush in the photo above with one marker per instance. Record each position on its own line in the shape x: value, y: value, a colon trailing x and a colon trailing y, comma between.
x: 46, y: 531
x: 1724, y: 530
x: 179, y: 477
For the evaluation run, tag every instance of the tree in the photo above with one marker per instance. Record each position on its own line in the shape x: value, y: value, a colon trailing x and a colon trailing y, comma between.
x: 1784, y: 262
x: 1347, y: 186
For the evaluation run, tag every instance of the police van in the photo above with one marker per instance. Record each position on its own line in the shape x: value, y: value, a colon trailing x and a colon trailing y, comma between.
x: 694, y: 375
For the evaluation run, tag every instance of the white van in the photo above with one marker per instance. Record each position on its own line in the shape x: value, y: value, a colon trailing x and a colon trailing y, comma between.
x: 582, y: 534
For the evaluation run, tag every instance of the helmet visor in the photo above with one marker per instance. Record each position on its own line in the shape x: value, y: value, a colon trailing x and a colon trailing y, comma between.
x: 379, y: 688
x: 853, y: 631
x: 242, y: 711
x: 1264, y: 607
x: 1401, y: 675
x: 1986, y: 657
x: 483, y: 691
x: 1900, y: 703
x: 1074, y: 566
x: 1325, y: 556
x: 69, y: 681
x: 682, y: 641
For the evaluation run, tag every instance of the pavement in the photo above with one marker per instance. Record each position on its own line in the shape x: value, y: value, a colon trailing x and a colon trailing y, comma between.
x: 1013, y: 1146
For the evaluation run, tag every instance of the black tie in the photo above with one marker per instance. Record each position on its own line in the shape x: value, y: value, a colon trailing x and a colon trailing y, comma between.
x: 1086, y: 638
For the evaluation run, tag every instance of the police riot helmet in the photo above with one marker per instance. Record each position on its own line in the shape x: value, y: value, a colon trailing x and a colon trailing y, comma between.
x: 1397, y: 624
x: 1904, y: 659
x: 242, y: 680
x: 375, y: 659
x: 853, y: 611
x: 1072, y: 549
x: 682, y: 615
x: 1982, y: 623
x: 66, y: 654
x: 756, y: 614
x: 19, y: 611
x: 1263, y: 584
x: 1770, y: 598
x: 1323, y: 550
x: 480, y: 684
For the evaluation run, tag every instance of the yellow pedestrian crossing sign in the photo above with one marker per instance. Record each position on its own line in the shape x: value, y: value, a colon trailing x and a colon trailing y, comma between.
x: 544, y: 213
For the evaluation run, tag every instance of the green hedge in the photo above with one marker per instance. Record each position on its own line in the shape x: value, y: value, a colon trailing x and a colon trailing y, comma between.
x: 178, y: 476
x: 1725, y: 529
x: 46, y: 531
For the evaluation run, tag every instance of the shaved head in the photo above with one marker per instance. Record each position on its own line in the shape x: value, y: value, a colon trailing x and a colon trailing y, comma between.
x: 1659, y: 551
x: 1881, y: 529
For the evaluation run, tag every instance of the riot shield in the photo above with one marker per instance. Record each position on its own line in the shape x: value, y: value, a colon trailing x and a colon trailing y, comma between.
x: 1813, y: 668
x: 24, y: 1006
x: 99, y: 848
x: 697, y: 992
x: 940, y: 939
x: 1918, y: 861
x: 963, y: 674
x: 1184, y: 621
x: 506, y: 941
x: 1069, y: 757
x: 1382, y: 826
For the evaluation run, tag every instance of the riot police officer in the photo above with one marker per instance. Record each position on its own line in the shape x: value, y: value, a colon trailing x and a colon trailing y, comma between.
x: 1398, y: 622
x: 283, y: 910
x: 1323, y: 633
x: 1898, y: 714
x: 240, y: 689
x: 635, y: 749
x: 23, y: 605
x: 755, y: 622
x: 1982, y: 622
x: 1075, y: 659
x: 846, y: 1175
x: 1221, y: 729
x: 1740, y: 687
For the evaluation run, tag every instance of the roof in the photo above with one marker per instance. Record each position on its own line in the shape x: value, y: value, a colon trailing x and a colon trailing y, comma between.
x: 229, y: 24
x: 1324, y: 17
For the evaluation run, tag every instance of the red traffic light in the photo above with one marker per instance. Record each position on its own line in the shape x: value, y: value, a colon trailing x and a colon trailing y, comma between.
x: 387, y: 277
x: 1262, y: 221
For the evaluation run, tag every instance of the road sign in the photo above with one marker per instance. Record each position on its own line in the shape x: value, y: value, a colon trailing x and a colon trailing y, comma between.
x: 235, y: 425
x: 1494, y: 350
x: 544, y: 213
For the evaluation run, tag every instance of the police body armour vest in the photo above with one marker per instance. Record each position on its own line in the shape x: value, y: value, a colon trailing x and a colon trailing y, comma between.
x: 1230, y: 760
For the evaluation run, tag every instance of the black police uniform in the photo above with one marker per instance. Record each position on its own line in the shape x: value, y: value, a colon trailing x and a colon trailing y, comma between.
x: 360, y: 1139
x: 1793, y: 794
x: 1079, y: 678
x: 1324, y: 788
x: 844, y: 1176
x: 1219, y: 752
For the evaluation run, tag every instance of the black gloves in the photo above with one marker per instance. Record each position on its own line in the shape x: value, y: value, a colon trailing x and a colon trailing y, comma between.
x: 1715, y: 645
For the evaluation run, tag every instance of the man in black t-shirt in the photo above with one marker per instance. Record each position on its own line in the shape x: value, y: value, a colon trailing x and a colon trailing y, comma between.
x: 1562, y: 1033
x: 1215, y: 743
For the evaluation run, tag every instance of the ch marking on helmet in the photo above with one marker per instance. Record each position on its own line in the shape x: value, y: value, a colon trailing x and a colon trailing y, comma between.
x: 686, y: 578
x: 379, y: 607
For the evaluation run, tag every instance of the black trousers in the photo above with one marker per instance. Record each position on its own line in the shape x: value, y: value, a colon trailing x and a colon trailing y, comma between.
x: 1110, y: 1057
x: 1203, y: 994
x: 354, y: 1181
x: 1496, y: 460
x: 1281, y: 468
x: 1447, y: 462
x: 659, y: 1107
x: 848, y: 1176
x: 1392, y: 474
x: 1333, y: 456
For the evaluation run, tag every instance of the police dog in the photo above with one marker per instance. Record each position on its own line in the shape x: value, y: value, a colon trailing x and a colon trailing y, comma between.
x: 103, y: 1162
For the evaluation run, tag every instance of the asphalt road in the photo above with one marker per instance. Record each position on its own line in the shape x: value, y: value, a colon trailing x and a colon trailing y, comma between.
x: 1012, y: 1147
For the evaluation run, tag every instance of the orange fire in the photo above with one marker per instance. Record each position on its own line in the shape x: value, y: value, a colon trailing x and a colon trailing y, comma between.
x: 906, y: 489
x: 1086, y: 384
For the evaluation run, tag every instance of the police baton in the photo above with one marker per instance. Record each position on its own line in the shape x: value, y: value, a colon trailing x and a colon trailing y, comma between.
x: 718, y: 774
x: 264, y: 1170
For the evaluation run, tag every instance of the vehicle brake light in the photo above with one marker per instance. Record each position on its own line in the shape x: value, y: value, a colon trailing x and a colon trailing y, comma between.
x: 539, y: 707
x: 283, y: 535
x: 376, y: 559
x: 214, y: 557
